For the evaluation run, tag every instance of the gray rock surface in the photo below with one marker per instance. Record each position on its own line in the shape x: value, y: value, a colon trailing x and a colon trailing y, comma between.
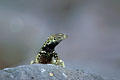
x: 44, y: 72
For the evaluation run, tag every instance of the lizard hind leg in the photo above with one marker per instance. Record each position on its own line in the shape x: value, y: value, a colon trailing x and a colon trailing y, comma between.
x: 36, y: 60
x: 32, y: 62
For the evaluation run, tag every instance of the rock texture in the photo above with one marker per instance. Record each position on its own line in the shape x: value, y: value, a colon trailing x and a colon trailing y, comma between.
x: 44, y: 72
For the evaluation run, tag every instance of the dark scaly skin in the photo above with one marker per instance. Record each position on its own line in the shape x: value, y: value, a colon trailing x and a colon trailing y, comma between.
x: 47, y: 54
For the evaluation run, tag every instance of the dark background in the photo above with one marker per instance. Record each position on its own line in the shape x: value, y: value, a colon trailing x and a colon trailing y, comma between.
x: 93, y: 27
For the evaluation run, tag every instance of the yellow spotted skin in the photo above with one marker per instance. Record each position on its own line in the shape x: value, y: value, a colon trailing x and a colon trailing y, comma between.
x: 47, y: 53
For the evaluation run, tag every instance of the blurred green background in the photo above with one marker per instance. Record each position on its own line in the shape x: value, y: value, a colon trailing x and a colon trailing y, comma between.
x: 93, y: 27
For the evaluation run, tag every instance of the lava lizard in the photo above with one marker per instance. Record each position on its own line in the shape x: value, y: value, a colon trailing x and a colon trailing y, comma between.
x: 47, y: 53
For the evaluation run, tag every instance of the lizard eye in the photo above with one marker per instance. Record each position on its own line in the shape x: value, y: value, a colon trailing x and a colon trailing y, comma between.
x: 55, y: 39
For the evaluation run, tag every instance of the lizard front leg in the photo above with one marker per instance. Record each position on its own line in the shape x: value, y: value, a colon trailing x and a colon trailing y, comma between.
x: 57, y: 60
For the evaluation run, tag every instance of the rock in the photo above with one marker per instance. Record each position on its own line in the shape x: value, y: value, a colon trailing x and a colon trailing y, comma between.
x: 44, y: 72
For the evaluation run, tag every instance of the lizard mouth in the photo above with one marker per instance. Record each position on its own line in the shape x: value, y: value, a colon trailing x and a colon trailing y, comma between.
x: 62, y: 36
x: 65, y: 36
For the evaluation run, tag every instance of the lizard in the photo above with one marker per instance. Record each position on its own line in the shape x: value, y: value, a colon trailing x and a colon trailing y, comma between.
x: 47, y: 53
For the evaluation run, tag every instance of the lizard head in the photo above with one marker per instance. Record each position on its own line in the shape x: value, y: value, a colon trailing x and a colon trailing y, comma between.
x: 54, y: 40
x: 57, y: 38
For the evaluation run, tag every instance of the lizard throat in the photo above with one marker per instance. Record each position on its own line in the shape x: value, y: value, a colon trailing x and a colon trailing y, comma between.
x: 50, y: 47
